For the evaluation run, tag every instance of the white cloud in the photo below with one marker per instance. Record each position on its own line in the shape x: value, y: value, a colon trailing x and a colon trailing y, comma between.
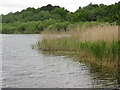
x: 7, y: 6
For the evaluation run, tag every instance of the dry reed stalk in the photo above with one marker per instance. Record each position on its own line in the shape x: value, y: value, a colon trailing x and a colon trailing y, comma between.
x: 53, y: 36
x: 104, y: 32
x: 100, y: 32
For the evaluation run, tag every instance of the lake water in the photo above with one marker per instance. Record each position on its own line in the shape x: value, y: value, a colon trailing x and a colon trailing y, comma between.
x: 24, y: 67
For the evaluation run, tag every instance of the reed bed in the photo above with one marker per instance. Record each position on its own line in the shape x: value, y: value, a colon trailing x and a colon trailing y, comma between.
x: 93, y: 33
x: 98, y: 42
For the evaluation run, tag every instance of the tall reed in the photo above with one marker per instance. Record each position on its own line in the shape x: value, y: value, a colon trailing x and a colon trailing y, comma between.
x: 98, y: 41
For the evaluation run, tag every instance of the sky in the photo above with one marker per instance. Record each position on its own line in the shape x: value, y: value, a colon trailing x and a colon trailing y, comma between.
x: 7, y: 6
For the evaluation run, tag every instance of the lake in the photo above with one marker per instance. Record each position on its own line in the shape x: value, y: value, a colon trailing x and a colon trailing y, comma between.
x: 24, y: 67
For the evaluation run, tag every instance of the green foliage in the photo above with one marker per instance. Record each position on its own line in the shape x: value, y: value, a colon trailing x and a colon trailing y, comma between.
x: 60, y: 11
x: 99, y: 49
x: 49, y: 17
x: 115, y: 48
x: 70, y: 16
x: 27, y: 27
x: 59, y: 26
x: 46, y: 23
x: 94, y: 12
x: 20, y: 27
x: 49, y: 8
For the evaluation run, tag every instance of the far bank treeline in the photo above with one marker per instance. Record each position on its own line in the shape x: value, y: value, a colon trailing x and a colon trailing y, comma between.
x: 33, y: 20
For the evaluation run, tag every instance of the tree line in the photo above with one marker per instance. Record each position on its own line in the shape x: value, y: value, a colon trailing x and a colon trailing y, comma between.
x: 33, y: 20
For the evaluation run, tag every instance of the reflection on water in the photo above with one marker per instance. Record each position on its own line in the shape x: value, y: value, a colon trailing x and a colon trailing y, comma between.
x: 118, y: 76
x: 101, y: 77
x: 104, y: 76
x: 0, y: 61
x: 24, y: 67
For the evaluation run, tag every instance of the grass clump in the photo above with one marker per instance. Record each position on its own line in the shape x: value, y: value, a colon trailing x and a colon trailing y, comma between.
x: 98, y: 49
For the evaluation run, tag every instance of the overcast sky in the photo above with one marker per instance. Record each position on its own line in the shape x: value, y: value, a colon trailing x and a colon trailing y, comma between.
x: 7, y: 6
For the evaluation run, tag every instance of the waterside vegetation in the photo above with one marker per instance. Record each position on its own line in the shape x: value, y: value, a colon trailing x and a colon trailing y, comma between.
x: 96, y: 43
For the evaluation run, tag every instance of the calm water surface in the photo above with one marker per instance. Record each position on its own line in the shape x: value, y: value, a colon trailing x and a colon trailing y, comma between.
x: 24, y: 67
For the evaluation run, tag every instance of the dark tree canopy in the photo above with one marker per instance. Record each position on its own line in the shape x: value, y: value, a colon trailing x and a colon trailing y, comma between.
x: 49, y: 8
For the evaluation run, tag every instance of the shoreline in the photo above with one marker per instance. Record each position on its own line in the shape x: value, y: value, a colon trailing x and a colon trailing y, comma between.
x: 86, y: 59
